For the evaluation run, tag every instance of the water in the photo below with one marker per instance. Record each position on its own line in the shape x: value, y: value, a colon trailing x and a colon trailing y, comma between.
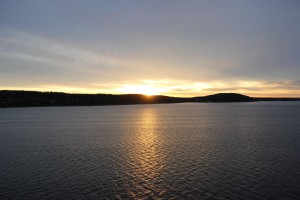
x: 171, y: 151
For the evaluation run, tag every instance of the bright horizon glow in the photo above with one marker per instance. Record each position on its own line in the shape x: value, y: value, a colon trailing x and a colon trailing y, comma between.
x: 140, y: 89
x: 175, y: 88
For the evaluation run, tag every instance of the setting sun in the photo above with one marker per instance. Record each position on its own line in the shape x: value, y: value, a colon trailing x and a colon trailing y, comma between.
x: 139, y: 89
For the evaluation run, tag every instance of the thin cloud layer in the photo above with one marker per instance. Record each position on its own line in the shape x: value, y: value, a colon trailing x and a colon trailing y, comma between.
x: 180, y: 48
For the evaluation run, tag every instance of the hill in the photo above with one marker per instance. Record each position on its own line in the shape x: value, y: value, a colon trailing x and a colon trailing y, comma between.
x: 224, y: 97
x: 31, y: 98
x: 11, y: 98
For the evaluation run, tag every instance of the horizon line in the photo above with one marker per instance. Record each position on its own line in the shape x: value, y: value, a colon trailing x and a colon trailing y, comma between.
x: 149, y: 95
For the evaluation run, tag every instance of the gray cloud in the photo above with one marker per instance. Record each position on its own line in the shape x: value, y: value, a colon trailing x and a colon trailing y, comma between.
x: 98, y: 42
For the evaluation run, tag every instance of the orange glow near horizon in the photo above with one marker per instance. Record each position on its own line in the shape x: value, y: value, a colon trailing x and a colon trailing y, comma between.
x: 140, y: 89
x: 175, y: 88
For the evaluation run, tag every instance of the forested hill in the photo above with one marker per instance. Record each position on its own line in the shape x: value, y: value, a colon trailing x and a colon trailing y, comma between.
x: 31, y: 98
x: 224, y: 97
x: 12, y: 98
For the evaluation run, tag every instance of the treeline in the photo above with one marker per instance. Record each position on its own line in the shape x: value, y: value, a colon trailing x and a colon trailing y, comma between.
x: 31, y: 98
x: 12, y: 98
x: 224, y: 97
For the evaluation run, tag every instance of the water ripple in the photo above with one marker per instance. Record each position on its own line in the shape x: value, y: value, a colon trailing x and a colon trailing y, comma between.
x: 180, y: 151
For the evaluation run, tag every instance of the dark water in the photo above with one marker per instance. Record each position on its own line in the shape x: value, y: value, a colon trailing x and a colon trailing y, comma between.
x: 174, y: 151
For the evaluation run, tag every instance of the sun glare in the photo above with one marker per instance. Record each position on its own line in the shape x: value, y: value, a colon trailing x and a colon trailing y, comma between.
x: 139, y: 89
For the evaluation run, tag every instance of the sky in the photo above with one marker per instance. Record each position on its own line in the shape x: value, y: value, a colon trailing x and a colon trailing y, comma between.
x: 169, y: 47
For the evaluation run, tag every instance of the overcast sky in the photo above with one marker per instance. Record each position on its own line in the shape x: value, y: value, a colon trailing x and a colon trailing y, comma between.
x: 178, y: 48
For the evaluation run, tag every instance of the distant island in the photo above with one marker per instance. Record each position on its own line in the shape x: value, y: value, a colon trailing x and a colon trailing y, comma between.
x: 13, y: 98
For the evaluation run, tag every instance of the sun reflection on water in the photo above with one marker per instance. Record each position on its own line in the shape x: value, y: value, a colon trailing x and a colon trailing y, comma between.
x: 147, y: 158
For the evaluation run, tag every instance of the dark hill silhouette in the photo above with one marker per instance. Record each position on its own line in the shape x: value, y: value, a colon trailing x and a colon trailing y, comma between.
x: 32, y: 98
x: 11, y: 98
x: 225, y: 97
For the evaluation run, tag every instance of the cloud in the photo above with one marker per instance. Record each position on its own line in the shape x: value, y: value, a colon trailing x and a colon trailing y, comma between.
x: 38, y: 56
x: 187, y: 48
x: 182, y: 89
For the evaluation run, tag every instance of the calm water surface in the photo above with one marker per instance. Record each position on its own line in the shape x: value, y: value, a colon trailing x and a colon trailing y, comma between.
x: 171, y: 151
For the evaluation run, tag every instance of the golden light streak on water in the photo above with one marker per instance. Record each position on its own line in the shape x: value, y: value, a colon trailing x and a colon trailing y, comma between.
x: 148, y: 158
